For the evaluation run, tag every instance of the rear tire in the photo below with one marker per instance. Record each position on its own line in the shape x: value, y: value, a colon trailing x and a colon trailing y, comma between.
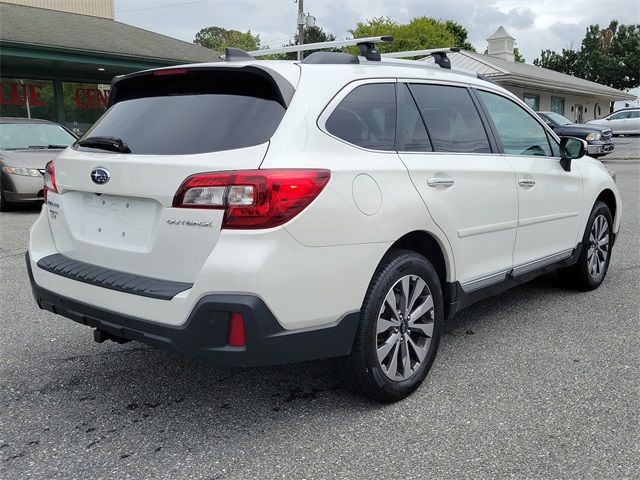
x: 393, y: 352
x: 591, y: 268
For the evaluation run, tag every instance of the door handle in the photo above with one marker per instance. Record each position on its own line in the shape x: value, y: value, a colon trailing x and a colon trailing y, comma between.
x: 526, y: 182
x: 440, y: 182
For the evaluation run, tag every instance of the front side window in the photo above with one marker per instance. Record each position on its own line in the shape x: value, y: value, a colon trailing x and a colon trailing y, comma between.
x: 366, y: 117
x: 518, y: 131
x: 452, y: 120
x: 619, y: 116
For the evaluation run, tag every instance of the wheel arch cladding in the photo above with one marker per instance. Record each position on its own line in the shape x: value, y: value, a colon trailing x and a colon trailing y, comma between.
x: 608, y: 197
x: 426, y: 245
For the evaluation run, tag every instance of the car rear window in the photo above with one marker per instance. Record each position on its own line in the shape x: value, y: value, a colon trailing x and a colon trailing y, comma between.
x: 190, y: 112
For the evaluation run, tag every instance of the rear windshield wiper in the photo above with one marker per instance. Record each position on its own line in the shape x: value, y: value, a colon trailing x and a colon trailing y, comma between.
x: 112, y: 144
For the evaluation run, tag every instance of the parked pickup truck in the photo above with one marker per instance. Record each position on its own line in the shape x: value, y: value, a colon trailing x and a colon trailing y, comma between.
x: 599, y: 138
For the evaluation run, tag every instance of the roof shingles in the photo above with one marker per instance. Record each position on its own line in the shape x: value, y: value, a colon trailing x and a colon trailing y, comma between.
x: 55, y: 29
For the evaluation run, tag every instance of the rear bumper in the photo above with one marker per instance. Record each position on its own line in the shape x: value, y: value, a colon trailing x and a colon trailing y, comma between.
x: 205, y: 332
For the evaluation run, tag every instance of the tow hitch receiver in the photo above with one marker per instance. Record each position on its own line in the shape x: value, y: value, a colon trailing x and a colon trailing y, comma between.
x: 100, y: 336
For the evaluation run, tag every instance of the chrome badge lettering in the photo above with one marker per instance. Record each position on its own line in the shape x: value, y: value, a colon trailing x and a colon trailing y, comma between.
x: 190, y: 223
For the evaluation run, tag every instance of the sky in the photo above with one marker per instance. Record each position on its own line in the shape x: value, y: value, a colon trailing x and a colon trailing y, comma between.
x: 536, y: 24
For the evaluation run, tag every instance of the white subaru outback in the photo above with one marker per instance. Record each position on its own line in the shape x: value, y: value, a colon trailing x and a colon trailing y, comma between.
x: 262, y: 212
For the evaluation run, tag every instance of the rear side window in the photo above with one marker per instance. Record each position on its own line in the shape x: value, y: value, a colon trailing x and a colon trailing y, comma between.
x: 366, y: 117
x: 193, y: 112
x: 453, y: 122
x: 412, y: 134
x: 519, y: 132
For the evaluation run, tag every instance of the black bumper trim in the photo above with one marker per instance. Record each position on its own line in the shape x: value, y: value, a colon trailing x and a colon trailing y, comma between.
x: 205, y: 332
x: 112, y: 279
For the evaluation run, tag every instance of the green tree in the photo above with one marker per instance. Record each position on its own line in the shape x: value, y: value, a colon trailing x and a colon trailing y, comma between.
x: 218, y: 38
x: 420, y: 33
x: 518, y: 56
x: 610, y: 56
x: 460, y: 33
x: 311, y: 35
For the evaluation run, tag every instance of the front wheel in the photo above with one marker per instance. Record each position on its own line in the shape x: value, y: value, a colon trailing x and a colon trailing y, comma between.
x: 400, y: 326
x: 4, y: 205
x: 589, y: 271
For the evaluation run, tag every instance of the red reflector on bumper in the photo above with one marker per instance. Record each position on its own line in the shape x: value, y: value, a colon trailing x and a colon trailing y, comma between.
x: 236, y: 330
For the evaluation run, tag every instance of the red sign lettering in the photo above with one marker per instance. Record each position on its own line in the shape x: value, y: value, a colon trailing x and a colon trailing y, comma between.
x: 90, y: 98
x: 20, y: 95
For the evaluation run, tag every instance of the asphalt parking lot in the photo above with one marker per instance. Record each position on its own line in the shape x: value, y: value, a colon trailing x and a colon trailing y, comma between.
x: 539, y: 382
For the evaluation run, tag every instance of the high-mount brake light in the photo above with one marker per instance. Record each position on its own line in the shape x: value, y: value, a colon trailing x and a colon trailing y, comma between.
x: 170, y: 71
x: 49, y: 179
x: 253, y: 198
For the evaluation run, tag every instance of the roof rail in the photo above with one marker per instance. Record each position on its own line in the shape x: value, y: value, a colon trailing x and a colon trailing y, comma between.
x: 366, y: 45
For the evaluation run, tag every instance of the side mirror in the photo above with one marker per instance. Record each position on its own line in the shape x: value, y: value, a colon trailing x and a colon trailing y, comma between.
x: 571, y: 148
x: 552, y: 126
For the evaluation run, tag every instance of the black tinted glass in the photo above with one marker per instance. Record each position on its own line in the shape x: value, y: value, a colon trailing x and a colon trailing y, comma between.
x: 190, y: 114
x: 366, y: 117
x: 412, y: 134
x: 452, y: 119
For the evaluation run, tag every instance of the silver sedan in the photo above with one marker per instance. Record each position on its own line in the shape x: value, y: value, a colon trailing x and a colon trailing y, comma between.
x: 26, y: 145
x: 622, y: 122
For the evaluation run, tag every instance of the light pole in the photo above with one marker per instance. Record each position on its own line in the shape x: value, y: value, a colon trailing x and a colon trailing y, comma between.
x: 301, y: 22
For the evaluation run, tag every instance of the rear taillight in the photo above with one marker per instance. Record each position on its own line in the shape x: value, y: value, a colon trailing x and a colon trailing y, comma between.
x: 253, y: 198
x: 49, y: 179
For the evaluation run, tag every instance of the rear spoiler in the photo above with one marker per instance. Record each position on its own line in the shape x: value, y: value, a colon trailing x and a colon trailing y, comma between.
x: 283, y: 88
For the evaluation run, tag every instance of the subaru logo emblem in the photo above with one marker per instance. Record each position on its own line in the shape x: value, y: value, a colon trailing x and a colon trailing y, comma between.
x: 100, y: 176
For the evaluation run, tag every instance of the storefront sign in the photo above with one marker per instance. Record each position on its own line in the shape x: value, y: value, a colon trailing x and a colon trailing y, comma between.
x: 21, y: 94
x: 91, y: 98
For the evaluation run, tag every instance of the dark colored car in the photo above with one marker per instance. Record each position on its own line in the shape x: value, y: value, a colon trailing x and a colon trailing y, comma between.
x: 26, y: 145
x: 599, y: 139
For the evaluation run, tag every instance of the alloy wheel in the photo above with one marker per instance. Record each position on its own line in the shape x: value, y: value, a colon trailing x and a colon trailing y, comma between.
x: 598, y: 249
x: 405, y: 328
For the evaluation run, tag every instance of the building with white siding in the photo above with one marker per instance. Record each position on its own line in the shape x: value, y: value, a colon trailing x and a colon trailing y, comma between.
x: 542, y: 89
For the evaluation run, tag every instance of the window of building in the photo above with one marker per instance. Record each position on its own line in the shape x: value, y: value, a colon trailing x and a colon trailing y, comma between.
x: 25, y: 98
x: 557, y: 105
x: 84, y: 103
x: 533, y: 101
x: 519, y: 132
x: 453, y: 122
x: 366, y: 117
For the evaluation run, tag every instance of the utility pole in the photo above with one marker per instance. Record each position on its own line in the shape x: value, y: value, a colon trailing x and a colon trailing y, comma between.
x: 301, y: 22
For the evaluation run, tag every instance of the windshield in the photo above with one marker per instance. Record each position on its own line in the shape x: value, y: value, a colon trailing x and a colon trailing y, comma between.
x: 25, y: 136
x: 557, y: 118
